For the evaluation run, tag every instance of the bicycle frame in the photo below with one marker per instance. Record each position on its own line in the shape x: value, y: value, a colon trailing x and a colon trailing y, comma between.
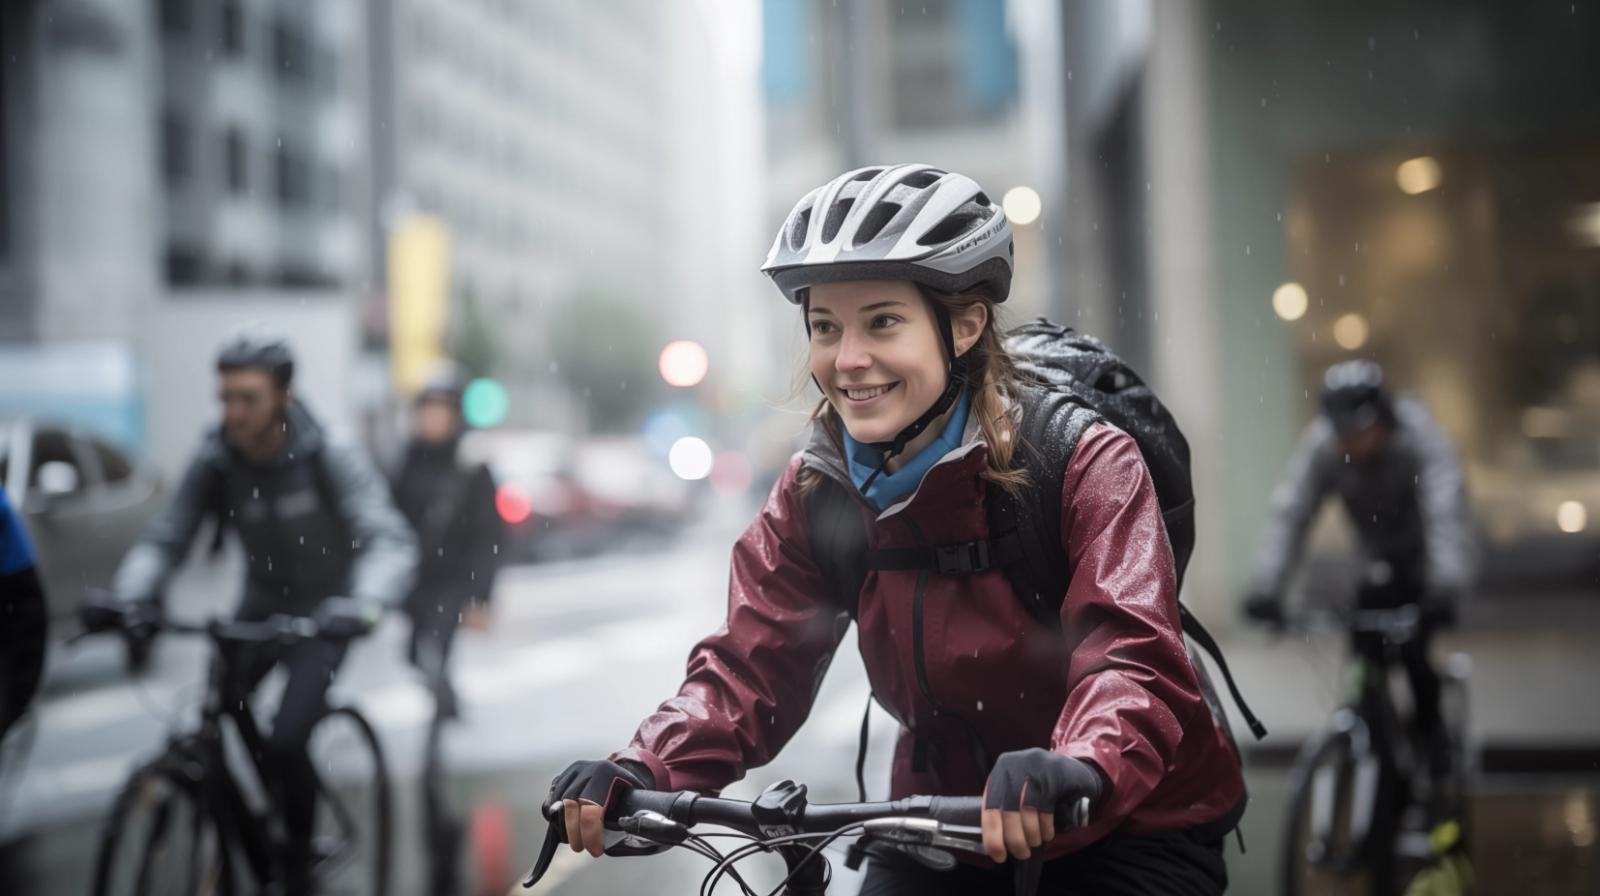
x: 1381, y: 755
x: 201, y: 756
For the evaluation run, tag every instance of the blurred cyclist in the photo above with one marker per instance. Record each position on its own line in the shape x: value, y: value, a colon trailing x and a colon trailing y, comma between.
x: 1403, y: 488
x: 22, y: 618
x: 451, y: 507
x: 320, y: 537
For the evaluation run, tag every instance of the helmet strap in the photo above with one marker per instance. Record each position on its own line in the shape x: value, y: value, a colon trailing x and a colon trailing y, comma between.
x: 954, y: 383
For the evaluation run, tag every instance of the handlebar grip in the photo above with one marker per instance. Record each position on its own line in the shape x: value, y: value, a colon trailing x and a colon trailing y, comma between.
x: 968, y: 811
x: 661, y: 802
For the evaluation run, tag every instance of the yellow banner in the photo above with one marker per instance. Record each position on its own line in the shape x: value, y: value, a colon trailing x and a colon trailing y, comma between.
x: 419, y: 299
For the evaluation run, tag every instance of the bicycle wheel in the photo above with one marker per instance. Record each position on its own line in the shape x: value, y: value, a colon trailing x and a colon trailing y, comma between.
x: 1336, y: 821
x: 351, y: 839
x: 160, y: 840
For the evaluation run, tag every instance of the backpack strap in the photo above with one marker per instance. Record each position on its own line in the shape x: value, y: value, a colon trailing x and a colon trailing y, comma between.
x: 217, y: 508
x: 1198, y: 633
x: 838, y: 534
x: 327, y: 493
x: 1052, y: 423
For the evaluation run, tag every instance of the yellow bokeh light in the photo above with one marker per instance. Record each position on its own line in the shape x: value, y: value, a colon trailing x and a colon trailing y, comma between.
x: 1419, y: 175
x: 1350, y: 331
x: 1290, y: 301
x: 1572, y: 517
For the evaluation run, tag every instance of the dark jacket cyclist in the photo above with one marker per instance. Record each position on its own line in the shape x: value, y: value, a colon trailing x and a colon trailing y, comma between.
x: 23, y: 618
x: 899, y: 271
x: 1399, y: 480
x: 1405, y: 494
x: 320, y: 537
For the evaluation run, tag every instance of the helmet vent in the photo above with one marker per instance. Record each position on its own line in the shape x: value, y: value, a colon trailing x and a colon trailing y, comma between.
x: 866, y: 174
x: 797, y: 233
x: 959, y: 223
x: 874, y: 223
x: 836, y: 215
x: 922, y: 179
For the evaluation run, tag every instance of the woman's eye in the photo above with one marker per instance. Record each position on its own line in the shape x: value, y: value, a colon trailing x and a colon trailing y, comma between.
x: 821, y: 328
x: 884, y: 320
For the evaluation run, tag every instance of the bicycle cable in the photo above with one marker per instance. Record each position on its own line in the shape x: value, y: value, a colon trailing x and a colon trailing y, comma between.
x: 708, y: 886
x: 810, y: 856
x: 703, y: 848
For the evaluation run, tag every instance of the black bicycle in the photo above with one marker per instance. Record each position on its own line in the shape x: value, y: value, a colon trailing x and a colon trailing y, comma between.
x: 1357, y: 822
x: 928, y: 829
x: 201, y: 819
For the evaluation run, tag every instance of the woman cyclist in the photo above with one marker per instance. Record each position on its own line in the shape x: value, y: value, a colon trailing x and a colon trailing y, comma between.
x: 898, y: 272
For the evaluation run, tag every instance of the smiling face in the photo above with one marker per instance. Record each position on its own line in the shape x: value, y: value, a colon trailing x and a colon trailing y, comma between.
x: 876, y: 353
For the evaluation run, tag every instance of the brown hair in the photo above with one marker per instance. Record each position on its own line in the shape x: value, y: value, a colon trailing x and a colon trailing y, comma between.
x: 992, y: 379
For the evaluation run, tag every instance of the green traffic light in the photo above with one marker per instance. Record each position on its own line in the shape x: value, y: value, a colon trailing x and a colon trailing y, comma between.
x: 484, y: 403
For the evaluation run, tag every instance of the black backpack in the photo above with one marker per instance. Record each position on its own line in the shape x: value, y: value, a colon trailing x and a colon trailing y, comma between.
x: 1071, y: 380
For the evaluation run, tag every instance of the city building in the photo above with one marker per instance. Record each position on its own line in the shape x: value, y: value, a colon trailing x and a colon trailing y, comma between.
x: 173, y: 169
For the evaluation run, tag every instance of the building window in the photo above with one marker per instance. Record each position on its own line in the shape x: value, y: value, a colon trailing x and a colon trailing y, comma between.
x: 185, y: 265
x: 330, y: 184
x: 176, y: 17
x: 175, y: 158
x: 291, y: 52
x: 293, y: 177
x: 233, y: 29
x: 237, y: 161
x: 5, y: 164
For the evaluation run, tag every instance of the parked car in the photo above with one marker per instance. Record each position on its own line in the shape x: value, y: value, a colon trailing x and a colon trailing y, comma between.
x: 631, y: 489
x: 84, y: 502
x: 544, y: 510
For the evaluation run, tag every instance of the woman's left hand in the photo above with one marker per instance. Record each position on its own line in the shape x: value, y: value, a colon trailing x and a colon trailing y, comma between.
x: 1023, y: 795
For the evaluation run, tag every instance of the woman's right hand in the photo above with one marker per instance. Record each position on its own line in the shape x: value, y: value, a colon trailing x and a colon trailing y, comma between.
x: 585, y: 791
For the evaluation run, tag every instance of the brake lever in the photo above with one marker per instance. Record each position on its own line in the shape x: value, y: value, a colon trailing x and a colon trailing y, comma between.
x: 555, y: 833
x: 925, y: 832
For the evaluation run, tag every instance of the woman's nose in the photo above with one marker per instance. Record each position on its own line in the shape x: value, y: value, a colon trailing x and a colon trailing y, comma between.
x: 852, y: 353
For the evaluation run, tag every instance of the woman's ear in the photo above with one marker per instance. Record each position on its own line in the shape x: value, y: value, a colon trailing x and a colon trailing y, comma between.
x: 966, y: 325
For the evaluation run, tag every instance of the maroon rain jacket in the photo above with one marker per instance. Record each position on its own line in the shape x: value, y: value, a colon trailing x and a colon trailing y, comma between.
x: 958, y: 660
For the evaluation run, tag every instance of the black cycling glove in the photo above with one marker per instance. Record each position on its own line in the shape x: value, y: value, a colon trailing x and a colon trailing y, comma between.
x: 599, y: 781
x: 1264, y: 607
x: 1439, y: 607
x: 1040, y: 779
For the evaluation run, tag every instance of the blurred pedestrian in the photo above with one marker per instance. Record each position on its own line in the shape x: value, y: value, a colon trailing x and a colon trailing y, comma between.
x: 451, y: 505
x: 22, y: 618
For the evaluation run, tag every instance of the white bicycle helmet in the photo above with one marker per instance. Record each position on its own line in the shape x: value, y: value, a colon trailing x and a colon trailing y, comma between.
x: 899, y: 222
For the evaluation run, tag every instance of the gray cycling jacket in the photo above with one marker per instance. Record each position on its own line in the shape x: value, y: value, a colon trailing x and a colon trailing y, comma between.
x: 315, y: 522
x: 1408, y: 504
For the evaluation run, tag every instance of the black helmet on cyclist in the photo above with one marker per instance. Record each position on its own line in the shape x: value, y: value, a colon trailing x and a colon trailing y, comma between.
x: 932, y: 227
x: 260, y: 349
x: 1354, y: 397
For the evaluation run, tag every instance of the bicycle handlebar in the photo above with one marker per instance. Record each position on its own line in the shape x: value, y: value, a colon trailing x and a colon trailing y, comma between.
x: 1398, y: 625
x: 102, y: 614
x: 664, y: 817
